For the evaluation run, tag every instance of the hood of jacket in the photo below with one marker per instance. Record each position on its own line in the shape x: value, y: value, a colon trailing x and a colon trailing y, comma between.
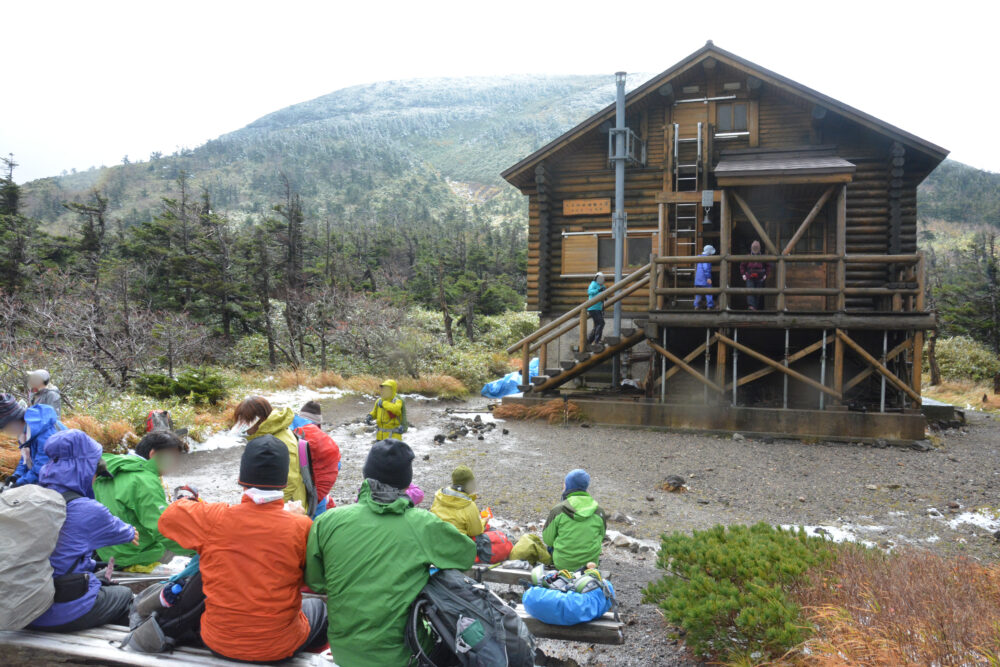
x: 117, y: 463
x: 40, y: 418
x: 393, y: 386
x: 579, y: 505
x: 452, y: 499
x: 279, y: 420
x: 396, y: 506
x: 73, y: 457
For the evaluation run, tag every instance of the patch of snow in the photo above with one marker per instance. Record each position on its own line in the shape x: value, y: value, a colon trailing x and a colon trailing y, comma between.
x: 294, y: 398
x: 985, y: 519
x: 838, y: 534
x: 219, y: 440
x: 487, y: 417
x: 932, y: 539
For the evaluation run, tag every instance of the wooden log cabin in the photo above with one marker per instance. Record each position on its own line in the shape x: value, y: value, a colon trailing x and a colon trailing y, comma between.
x: 723, y: 152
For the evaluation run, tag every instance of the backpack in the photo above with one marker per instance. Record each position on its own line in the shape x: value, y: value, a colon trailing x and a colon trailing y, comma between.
x: 155, y: 628
x: 493, y: 546
x: 160, y: 420
x: 455, y: 621
x: 31, y: 517
x: 564, y: 598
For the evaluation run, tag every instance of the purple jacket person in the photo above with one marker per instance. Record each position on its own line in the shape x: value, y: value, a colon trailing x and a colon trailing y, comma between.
x: 73, y: 458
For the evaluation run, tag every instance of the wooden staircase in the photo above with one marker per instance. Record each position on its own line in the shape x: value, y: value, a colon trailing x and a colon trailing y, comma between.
x: 585, y: 357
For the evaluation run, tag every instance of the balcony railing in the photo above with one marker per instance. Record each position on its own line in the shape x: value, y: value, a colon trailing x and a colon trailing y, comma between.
x: 902, y: 290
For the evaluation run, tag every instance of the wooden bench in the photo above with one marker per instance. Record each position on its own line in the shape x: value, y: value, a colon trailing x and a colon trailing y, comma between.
x: 99, y: 646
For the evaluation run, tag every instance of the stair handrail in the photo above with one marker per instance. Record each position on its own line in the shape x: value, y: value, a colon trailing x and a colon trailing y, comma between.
x: 603, y: 296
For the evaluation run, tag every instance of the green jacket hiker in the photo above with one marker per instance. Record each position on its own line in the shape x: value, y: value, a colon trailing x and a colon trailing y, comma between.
x: 372, y: 559
x: 575, y: 528
x: 134, y: 493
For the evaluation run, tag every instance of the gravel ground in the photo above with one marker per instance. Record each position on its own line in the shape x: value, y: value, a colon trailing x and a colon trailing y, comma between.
x: 944, y: 499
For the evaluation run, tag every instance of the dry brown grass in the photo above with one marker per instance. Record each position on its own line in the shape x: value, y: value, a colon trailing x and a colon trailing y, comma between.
x: 554, y: 411
x: 116, y: 436
x: 962, y: 393
x: 9, y: 455
x: 909, y: 608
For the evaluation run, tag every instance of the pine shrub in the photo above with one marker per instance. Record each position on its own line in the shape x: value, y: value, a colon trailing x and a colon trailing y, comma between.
x: 198, y: 386
x: 727, y: 588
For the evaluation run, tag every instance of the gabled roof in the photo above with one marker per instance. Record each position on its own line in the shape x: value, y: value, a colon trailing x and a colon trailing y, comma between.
x: 933, y: 151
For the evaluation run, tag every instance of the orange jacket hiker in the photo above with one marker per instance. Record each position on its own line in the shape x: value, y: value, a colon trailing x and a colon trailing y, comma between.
x: 252, y: 560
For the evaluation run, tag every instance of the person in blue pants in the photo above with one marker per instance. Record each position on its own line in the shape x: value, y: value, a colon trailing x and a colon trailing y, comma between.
x: 703, y: 278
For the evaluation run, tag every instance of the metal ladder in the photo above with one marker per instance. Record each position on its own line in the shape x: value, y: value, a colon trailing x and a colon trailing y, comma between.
x: 687, y: 161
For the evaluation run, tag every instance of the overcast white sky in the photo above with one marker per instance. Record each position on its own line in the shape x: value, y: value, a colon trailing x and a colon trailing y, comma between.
x: 86, y: 83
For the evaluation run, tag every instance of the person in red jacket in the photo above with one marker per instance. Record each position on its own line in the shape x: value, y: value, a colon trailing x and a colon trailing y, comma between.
x: 252, y: 563
x: 754, y: 275
x: 324, y: 454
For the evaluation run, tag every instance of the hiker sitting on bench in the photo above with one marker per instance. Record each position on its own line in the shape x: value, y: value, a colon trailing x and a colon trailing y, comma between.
x: 575, y: 528
x: 456, y: 504
x: 256, y: 416
x: 252, y: 555
x: 388, y: 413
x: 83, y: 602
x: 131, y: 487
x: 372, y: 560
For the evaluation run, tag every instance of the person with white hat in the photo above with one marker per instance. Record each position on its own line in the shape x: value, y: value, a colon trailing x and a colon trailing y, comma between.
x: 42, y: 391
x: 703, y: 278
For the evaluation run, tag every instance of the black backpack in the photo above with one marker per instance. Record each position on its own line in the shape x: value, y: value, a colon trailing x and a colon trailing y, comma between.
x: 155, y: 628
x: 458, y: 622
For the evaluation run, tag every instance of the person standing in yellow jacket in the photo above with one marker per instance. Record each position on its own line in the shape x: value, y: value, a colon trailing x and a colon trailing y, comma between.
x: 388, y: 413
x: 259, y: 418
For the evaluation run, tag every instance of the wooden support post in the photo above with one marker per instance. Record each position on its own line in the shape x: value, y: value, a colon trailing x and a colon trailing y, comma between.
x: 525, y: 363
x: 893, y: 353
x: 652, y: 282
x: 781, y: 279
x: 688, y: 358
x: 800, y: 232
x: 725, y: 235
x: 720, y: 363
x: 841, y: 247
x: 765, y: 239
x: 838, y: 363
x: 543, y: 358
x: 778, y: 366
x: 918, y: 362
x: 673, y: 358
x: 583, y: 332
x: 880, y: 367
x: 662, y: 236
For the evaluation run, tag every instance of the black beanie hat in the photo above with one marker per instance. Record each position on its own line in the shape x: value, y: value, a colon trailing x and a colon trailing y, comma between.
x: 390, y: 462
x: 264, y: 464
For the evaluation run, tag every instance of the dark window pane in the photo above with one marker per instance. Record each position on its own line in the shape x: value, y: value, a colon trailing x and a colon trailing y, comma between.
x: 605, y: 252
x: 724, y: 118
x: 639, y: 249
x: 740, y: 117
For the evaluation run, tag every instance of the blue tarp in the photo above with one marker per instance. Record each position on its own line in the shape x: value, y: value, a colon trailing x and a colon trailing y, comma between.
x: 559, y: 608
x: 507, y: 385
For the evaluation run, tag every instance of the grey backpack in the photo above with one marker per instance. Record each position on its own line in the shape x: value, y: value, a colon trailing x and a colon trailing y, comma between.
x: 456, y: 621
x: 30, y: 520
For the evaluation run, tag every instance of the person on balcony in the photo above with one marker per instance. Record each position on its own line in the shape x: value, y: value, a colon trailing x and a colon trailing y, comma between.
x: 596, y: 312
x: 703, y: 278
x: 754, y: 275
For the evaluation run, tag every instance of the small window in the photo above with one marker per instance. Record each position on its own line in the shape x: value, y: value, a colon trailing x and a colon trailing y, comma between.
x: 639, y: 249
x: 731, y: 117
x: 605, y: 252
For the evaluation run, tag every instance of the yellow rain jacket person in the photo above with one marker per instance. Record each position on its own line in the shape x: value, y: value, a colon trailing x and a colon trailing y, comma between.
x: 456, y: 504
x: 388, y: 413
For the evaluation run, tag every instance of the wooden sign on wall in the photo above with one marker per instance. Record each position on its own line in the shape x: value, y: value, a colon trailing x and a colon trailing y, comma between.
x: 598, y: 206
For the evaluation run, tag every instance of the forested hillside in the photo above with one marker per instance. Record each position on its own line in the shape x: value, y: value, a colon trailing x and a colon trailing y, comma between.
x: 310, y: 234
